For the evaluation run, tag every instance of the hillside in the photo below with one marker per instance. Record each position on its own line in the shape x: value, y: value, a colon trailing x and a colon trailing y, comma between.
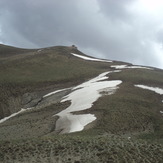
x: 58, y: 104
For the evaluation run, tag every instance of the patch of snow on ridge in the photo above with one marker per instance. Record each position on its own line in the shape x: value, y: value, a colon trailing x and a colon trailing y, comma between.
x: 13, y: 115
x: 119, y: 66
x: 155, y: 89
x: 89, y: 58
x: 82, y: 98
x: 126, y: 66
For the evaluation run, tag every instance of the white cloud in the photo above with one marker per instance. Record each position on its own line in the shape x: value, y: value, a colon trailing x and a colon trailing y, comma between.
x: 151, y: 7
x: 158, y: 51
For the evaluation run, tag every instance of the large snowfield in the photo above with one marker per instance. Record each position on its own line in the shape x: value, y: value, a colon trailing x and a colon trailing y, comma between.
x: 82, y: 98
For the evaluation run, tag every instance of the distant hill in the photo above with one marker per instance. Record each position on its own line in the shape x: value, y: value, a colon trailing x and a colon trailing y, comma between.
x: 58, y: 104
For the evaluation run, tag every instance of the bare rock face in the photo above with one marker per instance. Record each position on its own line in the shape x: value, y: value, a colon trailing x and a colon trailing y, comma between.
x: 30, y: 100
x: 26, y: 98
x: 36, y: 100
x: 52, y: 99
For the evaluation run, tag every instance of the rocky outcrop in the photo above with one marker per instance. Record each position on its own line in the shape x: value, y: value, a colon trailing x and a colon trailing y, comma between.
x: 30, y: 100
x: 36, y: 100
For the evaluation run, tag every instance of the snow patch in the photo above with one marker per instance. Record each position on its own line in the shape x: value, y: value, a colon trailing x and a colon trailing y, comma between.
x: 13, y: 115
x: 155, y: 89
x: 40, y: 50
x: 72, y: 123
x: 126, y: 66
x: 89, y: 58
x: 52, y: 93
x: 129, y: 138
x: 119, y: 66
x: 83, y: 97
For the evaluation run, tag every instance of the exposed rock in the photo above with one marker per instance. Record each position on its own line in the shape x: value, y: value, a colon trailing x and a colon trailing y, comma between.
x: 52, y: 99
x: 30, y: 100
x: 34, y: 100
x: 33, y: 103
x: 27, y: 97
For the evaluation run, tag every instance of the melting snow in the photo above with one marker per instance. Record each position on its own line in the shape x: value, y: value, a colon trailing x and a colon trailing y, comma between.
x: 155, y: 89
x: 51, y: 93
x: 129, y: 138
x: 126, y: 66
x: 39, y: 50
x: 89, y: 58
x: 23, y: 110
x: 83, y: 97
x: 13, y: 115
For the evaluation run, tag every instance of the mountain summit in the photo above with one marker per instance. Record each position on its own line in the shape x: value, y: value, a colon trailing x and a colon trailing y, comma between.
x: 58, y: 104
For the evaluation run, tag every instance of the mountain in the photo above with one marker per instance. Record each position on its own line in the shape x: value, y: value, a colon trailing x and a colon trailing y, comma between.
x: 58, y: 104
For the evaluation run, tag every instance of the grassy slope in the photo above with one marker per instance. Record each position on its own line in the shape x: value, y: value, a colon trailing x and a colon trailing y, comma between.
x: 8, y: 51
x: 48, y: 65
x: 36, y: 69
x: 130, y: 111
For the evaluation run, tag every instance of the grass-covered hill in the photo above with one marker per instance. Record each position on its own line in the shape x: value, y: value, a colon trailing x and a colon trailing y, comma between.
x: 129, y: 121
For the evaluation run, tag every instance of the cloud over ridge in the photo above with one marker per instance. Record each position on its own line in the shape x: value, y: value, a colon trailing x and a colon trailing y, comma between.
x: 130, y: 31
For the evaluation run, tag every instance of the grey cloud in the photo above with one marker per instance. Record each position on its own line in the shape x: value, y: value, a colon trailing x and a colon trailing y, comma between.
x: 159, y: 36
x: 108, y: 28
x: 115, y: 10
x: 40, y: 24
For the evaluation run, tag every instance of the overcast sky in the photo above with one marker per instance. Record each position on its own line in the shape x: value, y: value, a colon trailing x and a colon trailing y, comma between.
x: 125, y: 30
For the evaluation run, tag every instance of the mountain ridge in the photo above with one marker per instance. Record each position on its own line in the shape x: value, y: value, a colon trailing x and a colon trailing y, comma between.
x: 41, y: 78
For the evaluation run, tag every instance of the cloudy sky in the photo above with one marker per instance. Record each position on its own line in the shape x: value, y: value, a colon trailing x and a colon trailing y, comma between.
x: 125, y: 30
